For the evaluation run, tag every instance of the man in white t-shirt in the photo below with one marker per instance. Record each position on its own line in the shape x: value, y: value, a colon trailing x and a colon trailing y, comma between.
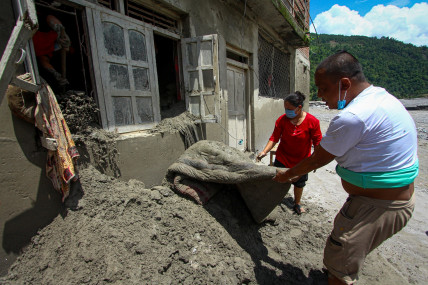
x: 374, y: 141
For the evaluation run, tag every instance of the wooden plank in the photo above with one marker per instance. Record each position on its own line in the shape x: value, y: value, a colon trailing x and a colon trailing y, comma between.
x: 93, y: 20
x: 151, y: 56
x: 19, y: 38
x: 25, y: 85
x: 21, y: 34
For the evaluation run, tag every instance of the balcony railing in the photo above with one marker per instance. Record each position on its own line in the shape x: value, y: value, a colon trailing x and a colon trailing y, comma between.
x: 299, y: 9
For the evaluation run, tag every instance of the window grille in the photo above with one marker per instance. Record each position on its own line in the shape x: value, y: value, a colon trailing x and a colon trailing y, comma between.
x: 236, y: 57
x: 274, y: 70
x: 147, y: 15
x: 111, y: 4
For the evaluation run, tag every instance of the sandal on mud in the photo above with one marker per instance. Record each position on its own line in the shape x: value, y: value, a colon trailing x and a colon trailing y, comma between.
x: 298, y: 209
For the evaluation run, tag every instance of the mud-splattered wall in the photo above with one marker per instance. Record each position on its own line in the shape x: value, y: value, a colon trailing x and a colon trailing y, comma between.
x: 28, y: 201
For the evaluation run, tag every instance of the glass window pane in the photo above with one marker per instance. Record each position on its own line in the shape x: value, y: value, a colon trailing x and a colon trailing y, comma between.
x: 145, y: 110
x: 207, y: 54
x: 192, y: 54
x: 194, y: 105
x: 209, y: 104
x: 113, y: 39
x: 208, y: 77
x: 137, y: 44
x: 240, y: 92
x: 119, y: 77
x: 230, y: 90
x: 194, y: 81
x: 122, y: 111
x: 141, y: 78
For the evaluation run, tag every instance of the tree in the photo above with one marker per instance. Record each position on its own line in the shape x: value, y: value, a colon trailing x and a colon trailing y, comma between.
x: 400, y: 68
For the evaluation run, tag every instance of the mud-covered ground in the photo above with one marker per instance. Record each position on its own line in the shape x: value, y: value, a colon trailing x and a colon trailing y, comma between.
x: 119, y: 232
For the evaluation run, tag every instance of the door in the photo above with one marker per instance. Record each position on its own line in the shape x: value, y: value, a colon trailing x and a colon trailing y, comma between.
x: 127, y: 71
x: 201, y: 75
x: 236, y: 105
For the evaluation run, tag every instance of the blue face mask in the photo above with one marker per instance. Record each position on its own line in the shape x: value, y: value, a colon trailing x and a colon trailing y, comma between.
x: 341, y: 103
x: 291, y: 114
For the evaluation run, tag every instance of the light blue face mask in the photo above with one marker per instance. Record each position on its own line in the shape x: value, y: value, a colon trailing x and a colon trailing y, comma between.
x: 341, y: 103
x: 291, y: 114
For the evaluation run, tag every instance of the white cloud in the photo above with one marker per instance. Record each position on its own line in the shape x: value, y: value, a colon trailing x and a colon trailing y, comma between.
x: 399, y: 3
x: 409, y: 25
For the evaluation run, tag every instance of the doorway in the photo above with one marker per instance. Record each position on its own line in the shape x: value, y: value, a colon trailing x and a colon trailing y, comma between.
x: 171, y: 100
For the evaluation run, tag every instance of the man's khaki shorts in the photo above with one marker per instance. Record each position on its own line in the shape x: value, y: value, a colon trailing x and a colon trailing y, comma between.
x: 361, y: 225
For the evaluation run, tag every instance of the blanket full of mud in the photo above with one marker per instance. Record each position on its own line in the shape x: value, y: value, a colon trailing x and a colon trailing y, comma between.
x: 207, y: 166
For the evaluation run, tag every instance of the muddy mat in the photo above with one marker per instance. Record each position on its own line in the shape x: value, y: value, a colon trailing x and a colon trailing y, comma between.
x: 214, y: 165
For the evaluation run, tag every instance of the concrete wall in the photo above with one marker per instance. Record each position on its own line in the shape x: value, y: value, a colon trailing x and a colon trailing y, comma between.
x: 266, y: 112
x: 28, y: 201
x: 302, y: 75
x: 147, y: 158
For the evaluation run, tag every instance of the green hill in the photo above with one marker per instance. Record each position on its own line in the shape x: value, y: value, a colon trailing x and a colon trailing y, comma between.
x: 400, y: 68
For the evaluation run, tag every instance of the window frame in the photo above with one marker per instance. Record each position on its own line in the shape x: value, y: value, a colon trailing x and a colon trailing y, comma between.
x: 102, y: 59
x: 202, y: 110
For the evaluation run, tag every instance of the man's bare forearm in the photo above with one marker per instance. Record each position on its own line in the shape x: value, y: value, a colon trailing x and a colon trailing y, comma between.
x: 319, y: 158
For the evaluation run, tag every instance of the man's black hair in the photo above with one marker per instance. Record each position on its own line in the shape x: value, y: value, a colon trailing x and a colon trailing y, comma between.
x: 342, y: 64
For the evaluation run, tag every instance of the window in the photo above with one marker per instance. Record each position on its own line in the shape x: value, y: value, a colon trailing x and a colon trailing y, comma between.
x: 129, y: 88
x: 200, y: 65
x: 274, y: 70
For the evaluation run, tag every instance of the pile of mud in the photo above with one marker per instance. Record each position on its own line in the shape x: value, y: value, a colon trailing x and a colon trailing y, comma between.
x: 94, y: 143
x: 98, y: 147
x: 121, y: 232
x: 183, y: 123
x: 79, y: 110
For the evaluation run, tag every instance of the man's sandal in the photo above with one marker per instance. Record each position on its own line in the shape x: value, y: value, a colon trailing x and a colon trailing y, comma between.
x: 298, y: 209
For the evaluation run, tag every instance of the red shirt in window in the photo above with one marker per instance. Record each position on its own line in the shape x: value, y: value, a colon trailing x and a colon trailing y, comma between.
x: 44, y: 43
x: 296, y: 141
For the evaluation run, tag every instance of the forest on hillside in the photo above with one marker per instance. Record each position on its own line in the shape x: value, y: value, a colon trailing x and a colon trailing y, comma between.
x: 400, y: 68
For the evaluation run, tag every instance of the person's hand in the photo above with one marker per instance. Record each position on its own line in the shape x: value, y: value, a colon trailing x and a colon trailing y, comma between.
x: 64, y: 41
x: 283, y: 176
x: 261, y: 155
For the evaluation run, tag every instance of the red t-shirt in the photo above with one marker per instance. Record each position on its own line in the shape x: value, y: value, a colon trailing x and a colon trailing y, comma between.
x: 296, y: 141
x: 44, y: 43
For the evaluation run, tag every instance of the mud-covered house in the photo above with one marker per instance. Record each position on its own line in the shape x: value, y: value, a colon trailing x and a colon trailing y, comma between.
x: 226, y: 62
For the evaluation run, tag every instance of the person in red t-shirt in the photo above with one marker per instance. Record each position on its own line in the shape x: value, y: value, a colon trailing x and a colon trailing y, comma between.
x: 298, y: 131
x: 53, y: 38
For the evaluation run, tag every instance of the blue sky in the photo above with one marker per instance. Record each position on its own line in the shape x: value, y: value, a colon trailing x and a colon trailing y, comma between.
x: 403, y: 20
x: 362, y: 6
